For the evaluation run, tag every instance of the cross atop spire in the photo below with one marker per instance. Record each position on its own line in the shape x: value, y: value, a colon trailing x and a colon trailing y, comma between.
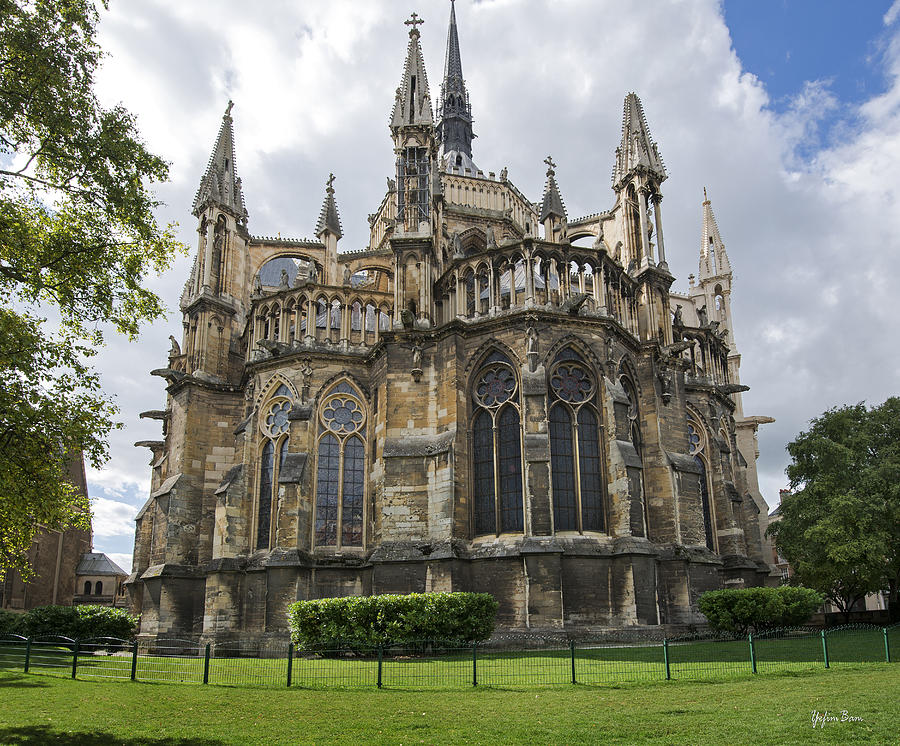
x: 552, y: 204
x: 220, y: 184
x: 413, y: 22
x: 329, y: 219
x: 413, y: 102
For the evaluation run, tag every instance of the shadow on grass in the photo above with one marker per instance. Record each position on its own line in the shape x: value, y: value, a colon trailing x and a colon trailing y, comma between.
x: 41, y: 734
x: 21, y: 681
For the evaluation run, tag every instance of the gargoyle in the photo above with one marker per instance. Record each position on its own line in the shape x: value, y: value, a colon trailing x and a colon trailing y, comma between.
x: 574, y: 303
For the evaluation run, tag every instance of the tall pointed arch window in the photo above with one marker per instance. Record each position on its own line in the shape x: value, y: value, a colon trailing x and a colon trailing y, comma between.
x: 497, y: 449
x: 697, y: 442
x: 578, y: 480
x: 340, y: 469
x: 275, y: 427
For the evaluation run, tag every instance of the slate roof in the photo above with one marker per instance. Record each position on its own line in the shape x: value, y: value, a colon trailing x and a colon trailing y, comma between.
x: 97, y: 563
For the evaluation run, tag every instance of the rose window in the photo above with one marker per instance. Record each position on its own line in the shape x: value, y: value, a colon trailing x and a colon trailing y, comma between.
x: 277, y: 418
x: 496, y: 386
x: 571, y: 383
x: 342, y: 414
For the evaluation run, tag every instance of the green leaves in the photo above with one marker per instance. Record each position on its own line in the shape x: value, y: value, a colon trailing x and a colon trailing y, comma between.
x: 840, y: 528
x: 78, y: 234
x: 744, y: 610
x: 368, y: 621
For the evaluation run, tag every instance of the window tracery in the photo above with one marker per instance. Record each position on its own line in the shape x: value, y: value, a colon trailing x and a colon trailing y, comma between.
x: 340, y: 469
x: 497, y: 448
x: 576, y: 463
x: 697, y: 442
x: 275, y: 426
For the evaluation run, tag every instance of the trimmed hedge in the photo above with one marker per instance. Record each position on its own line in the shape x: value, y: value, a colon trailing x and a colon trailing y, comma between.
x: 11, y: 622
x: 367, y: 621
x: 78, y: 622
x: 754, y: 609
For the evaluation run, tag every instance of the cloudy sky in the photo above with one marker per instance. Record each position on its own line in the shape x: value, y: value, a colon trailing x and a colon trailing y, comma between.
x: 788, y: 111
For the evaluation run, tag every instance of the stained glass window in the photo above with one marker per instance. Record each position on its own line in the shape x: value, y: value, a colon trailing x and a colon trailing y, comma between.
x: 341, y: 473
x: 562, y: 463
x: 704, y: 501
x: 576, y: 464
x: 266, y: 480
x: 497, y: 449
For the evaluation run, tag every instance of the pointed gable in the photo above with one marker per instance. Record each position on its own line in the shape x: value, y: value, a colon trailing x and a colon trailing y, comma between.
x: 413, y: 102
x: 552, y: 203
x: 637, y: 153
x: 220, y: 184
x: 713, y: 259
x: 329, y: 219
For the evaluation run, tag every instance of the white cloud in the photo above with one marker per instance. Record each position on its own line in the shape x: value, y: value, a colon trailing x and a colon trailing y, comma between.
x: 122, y: 560
x: 112, y: 518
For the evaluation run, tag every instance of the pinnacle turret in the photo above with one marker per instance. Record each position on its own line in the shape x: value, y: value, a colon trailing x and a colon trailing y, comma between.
x: 454, y: 109
x: 637, y: 153
x: 412, y: 105
x: 713, y: 259
x: 552, y: 205
x: 220, y: 184
x: 329, y: 219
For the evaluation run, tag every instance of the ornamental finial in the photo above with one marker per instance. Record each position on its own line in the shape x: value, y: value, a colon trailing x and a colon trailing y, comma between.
x: 414, y: 21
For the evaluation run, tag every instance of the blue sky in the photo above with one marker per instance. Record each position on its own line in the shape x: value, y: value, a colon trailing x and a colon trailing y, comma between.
x: 788, y: 112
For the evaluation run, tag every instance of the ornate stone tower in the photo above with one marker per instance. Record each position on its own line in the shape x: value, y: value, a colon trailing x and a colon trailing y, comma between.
x: 415, y: 146
x: 454, y: 110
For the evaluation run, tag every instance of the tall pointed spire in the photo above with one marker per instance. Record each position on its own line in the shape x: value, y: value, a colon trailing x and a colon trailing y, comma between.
x: 220, y: 184
x: 552, y: 204
x: 412, y: 105
x: 713, y: 259
x: 637, y: 153
x: 329, y: 220
x: 454, y: 109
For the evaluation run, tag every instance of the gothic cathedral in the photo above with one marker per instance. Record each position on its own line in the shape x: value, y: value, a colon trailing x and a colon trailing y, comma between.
x: 490, y: 396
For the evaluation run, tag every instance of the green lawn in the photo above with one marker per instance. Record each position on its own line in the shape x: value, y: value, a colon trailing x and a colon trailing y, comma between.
x: 689, y: 659
x: 773, y: 709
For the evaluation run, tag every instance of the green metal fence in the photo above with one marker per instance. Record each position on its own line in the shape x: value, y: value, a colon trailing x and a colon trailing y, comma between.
x: 428, y: 664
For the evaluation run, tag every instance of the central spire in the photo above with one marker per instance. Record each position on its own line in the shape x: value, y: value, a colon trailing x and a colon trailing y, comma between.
x: 454, y: 110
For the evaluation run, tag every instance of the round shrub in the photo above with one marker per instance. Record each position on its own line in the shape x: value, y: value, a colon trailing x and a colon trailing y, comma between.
x: 80, y: 622
x: 743, y: 610
x: 367, y: 621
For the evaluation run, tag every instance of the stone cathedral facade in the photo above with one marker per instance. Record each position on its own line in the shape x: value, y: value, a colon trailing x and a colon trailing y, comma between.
x: 490, y: 396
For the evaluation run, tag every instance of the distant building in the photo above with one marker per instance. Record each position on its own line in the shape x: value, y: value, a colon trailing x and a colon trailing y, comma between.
x: 99, y: 581
x: 54, y: 555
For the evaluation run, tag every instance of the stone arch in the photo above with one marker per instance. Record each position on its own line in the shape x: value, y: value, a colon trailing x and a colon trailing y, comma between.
x: 581, y: 347
x: 275, y: 380
x: 476, y: 360
x: 329, y: 383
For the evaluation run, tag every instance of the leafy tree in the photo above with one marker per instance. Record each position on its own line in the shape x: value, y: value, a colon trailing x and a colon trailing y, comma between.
x: 840, y: 525
x: 77, y: 239
x: 743, y: 610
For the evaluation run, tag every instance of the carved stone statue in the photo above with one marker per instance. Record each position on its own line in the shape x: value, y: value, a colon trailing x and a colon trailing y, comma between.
x: 313, y: 272
x: 175, y: 350
x: 257, y: 286
x: 678, y: 320
x: 346, y: 274
x: 701, y: 314
x: 391, y: 185
x: 457, y: 246
x: 503, y: 174
x: 491, y: 241
x: 285, y: 280
x: 531, y: 348
x: 610, y: 354
x: 306, y: 370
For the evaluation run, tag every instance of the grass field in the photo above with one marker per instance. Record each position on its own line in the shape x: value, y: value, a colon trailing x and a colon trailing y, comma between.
x: 774, y: 709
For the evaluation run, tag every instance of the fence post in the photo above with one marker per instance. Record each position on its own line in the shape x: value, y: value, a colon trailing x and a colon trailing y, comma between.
x: 666, y: 657
x: 134, y: 649
x: 380, y: 660
x: 27, y: 653
x: 75, y: 659
x: 752, y: 653
x: 474, y: 664
x: 825, y: 648
x: 887, y: 647
x: 290, y: 662
x: 572, y: 648
x: 206, y: 665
